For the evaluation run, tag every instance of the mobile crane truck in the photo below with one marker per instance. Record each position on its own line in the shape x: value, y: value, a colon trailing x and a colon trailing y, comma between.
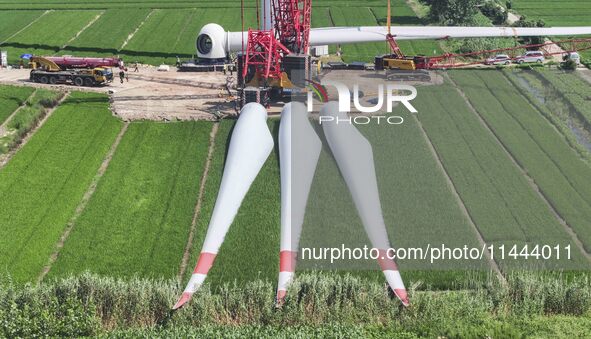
x: 78, y: 71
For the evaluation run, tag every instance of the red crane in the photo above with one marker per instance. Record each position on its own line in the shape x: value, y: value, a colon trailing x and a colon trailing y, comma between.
x: 266, y: 48
x: 292, y: 23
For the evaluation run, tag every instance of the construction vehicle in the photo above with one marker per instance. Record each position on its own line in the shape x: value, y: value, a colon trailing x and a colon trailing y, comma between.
x: 70, y: 62
x: 397, y: 60
x: 46, y: 71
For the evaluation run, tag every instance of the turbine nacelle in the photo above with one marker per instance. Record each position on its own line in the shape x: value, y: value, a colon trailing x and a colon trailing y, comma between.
x: 212, y: 42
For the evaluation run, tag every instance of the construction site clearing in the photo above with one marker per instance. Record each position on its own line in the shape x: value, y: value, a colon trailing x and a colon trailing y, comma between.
x: 174, y: 95
x: 150, y: 94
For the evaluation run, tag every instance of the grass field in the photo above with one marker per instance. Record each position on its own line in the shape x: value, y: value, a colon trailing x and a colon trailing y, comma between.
x: 27, y: 117
x: 498, y: 197
x: 153, y: 182
x: 151, y: 45
x: 167, y: 34
x: 172, y: 28
x: 491, y: 155
x: 13, y: 21
x: 251, y: 247
x: 11, y: 97
x: 106, y: 35
x: 48, y: 34
x: 556, y: 13
x: 170, y: 31
x: 44, y: 182
x: 254, y: 235
x: 556, y: 168
x: 371, y: 16
x: 573, y: 89
x: 327, y: 305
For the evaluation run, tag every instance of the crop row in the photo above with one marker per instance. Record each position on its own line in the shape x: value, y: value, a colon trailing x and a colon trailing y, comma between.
x: 559, y: 172
x: 138, y: 220
x: 575, y: 90
x: 419, y: 206
x: 556, y: 13
x: 48, y: 34
x: 106, y: 35
x: 168, y: 33
x: 557, y: 109
x: 13, y: 21
x: 498, y: 197
x: 403, y: 163
x: 27, y: 117
x: 128, y: 4
x: 251, y: 247
x: 164, y: 35
x: 11, y: 97
x: 45, y: 181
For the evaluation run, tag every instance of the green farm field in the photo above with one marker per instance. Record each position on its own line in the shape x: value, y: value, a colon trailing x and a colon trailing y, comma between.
x: 11, y: 97
x: 103, y: 217
x: 156, y: 33
x: 557, y: 13
x: 479, y: 162
x: 44, y: 182
x: 517, y: 177
x: 48, y: 34
x: 153, y: 182
x: 13, y: 21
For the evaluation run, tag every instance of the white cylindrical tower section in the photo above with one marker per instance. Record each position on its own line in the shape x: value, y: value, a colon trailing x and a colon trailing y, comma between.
x: 266, y: 15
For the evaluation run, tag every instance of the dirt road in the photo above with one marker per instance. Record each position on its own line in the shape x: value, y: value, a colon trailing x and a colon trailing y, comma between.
x: 153, y: 95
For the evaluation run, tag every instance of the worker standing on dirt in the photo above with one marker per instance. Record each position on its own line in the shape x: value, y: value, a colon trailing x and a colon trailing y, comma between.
x: 135, y: 69
x: 121, y: 75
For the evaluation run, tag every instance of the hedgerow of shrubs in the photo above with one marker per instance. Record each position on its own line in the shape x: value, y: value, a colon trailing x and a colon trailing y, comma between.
x: 91, y: 305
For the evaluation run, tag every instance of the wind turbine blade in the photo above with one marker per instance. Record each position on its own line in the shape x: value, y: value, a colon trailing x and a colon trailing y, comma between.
x: 346, y: 35
x: 299, y: 150
x: 250, y: 147
x: 354, y: 156
x: 351, y: 35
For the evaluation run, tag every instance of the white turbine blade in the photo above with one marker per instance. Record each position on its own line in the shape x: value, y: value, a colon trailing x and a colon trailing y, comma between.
x: 354, y: 156
x: 350, y: 35
x: 299, y: 149
x: 249, y: 148
x: 344, y: 35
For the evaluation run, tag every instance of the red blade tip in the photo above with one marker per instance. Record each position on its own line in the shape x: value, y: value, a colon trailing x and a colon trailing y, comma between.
x: 182, y: 300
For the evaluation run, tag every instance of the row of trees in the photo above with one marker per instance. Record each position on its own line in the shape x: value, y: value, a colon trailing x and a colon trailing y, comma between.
x: 478, y: 13
x: 464, y: 12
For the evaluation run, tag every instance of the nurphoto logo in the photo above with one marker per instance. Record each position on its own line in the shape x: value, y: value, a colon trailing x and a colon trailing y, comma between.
x: 390, y: 95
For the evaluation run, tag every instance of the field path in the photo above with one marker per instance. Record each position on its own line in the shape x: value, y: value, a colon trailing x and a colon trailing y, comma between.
x: 82, y: 205
x: 585, y: 74
x: 27, y: 26
x: 3, y: 125
x: 4, y: 159
x: 529, y: 179
x: 130, y: 36
x: 83, y: 29
x: 196, y: 214
x: 493, y: 264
